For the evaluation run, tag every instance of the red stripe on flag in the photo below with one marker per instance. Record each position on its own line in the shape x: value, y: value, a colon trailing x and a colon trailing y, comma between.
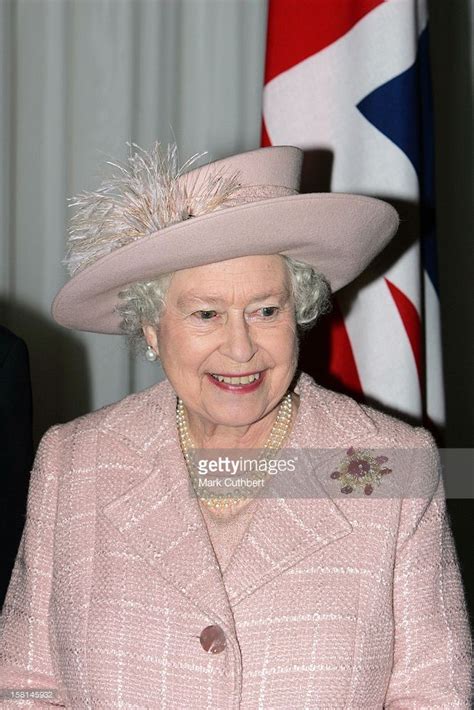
x: 265, y: 142
x: 342, y: 365
x: 326, y: 354
x: 412, y: 323
x: 299, y: 28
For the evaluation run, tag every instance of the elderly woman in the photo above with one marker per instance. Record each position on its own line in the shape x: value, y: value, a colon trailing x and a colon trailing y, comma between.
x: 136, y: 585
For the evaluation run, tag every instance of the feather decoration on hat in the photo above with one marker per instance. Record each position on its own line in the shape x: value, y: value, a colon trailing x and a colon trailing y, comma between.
x: 146, y: 193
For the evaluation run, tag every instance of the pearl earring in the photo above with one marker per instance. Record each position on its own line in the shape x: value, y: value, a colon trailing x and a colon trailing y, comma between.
x: 150, y: 354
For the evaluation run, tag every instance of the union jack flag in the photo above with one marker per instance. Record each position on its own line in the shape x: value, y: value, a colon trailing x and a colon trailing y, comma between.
x: 348, y: 81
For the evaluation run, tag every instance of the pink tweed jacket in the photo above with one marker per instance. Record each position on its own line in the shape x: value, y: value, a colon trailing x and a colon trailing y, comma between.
x: 329, y: 602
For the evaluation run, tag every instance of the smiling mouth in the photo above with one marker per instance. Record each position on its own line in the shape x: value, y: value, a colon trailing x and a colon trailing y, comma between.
x: 239, y: 379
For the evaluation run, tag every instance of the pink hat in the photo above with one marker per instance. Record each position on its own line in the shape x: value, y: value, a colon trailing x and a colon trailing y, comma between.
x: 152, y: 218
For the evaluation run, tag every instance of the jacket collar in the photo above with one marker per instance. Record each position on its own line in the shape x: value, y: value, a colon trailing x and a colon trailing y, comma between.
x: 158, y: 515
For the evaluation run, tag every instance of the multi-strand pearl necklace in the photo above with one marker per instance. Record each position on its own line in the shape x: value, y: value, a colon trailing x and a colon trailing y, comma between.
x: 274, y: 442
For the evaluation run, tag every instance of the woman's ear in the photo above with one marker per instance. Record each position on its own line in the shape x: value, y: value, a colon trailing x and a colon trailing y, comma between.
x: 151, y: 337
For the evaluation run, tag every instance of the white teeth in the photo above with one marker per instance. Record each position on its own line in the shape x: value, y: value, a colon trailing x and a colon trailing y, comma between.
x: 246, y: 380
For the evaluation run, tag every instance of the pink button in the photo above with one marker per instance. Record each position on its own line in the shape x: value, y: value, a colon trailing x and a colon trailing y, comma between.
x: 213, y: 639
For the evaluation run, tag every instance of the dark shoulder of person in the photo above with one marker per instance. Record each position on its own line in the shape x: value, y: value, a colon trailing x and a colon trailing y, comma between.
x: 16, y: 447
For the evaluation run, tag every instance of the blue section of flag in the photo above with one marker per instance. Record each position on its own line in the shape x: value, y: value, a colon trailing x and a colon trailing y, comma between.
x: 402, y: 110
x: 426, y: 175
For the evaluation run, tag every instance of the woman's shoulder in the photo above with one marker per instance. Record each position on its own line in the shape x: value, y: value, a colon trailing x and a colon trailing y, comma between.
x: 347, y: 416
x: 123, y: 430
x: 129, y: 411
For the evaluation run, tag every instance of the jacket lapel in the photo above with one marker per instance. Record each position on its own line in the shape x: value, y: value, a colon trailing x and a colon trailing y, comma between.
x: 157, y: 515
x: 149, y: 501
x: 284, y: 530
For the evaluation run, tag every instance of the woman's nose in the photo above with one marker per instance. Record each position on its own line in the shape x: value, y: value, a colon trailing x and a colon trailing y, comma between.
x: 238, y: 344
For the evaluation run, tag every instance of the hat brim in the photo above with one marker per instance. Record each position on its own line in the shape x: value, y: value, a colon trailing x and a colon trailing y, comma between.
x: 339, y: 234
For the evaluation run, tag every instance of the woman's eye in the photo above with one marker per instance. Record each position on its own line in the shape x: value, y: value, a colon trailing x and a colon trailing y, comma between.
x: 205, y: 315
x: 268, y: 311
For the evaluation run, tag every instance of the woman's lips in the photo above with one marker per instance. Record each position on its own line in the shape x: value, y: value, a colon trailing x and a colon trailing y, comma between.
x: 238, y: 388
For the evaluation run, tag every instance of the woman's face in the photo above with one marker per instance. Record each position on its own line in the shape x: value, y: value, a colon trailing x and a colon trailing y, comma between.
x: 226, y: 320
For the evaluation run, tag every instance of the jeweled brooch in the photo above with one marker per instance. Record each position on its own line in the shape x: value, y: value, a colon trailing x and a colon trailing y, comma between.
x: 361, y: 469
